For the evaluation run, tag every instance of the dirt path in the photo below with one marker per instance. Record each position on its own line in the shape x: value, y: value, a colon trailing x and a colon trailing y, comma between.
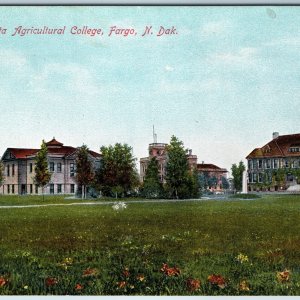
x: 99, y: 203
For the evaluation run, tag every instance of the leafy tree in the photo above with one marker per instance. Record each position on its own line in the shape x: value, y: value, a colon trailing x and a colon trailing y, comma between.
x: 212, y: 181
x: 118, y: 174
x: 177, y: 169
x: 152, y: 186
x: 202, y: 180
x: 84, y: 169
x: 237, y: 174
x: 42, y: 174
x: 194, y: 185
x: 225, y: 183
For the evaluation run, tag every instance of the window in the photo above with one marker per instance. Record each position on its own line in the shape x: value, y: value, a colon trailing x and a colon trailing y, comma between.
x: 30, y: 168
x: 250, y: 177
x: 275, y: 163
x: 12, y: 188
x: 8, y: 170
x: 260, y: 177
x: 31, y: 189
x: 51, y: 188
x: 59, y: 188
x: 260, y: 163
x: 268, y: 163
x: 72, y: 188
x: 249, y: 164
x: 295, y: 149
x: 254, y: 177
x: 36, y: 189
x: 51, y: 167
x: 254, y: 163
x: 286, y: 163
x: 13, y: 170
x: 8, y: 189
x: 58, y: 167
x: 72, y: 169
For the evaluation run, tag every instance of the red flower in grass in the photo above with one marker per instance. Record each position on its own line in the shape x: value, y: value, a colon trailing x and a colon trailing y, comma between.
x: 78, y: 287
x: 217, y: 280
x: 3, y: 281
x: 193, y: 284
x: 170, y: 271
x: 90, y: 272
x: 283, y: 276
x: 126, y: 272
x: 51, y: 281
x: 140, y: 277
x: 121, y: 284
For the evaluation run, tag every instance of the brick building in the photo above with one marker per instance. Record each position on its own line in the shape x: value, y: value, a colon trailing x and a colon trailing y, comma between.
x: 158, y: 150
x: 211, y: 171
x: 276, y: 165
x: 19, y: 166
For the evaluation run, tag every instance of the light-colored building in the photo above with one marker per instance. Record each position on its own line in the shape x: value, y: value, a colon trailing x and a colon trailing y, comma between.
x: 276, y: 165
x: 19, y: 164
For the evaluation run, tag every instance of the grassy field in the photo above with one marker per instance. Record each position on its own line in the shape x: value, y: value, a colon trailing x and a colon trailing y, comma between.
x: 236, y: 247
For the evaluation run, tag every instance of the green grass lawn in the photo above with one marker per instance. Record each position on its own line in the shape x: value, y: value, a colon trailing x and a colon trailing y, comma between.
x: 94, y: 250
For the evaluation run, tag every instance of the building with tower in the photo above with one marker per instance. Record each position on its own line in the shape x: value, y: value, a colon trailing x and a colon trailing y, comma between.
x: 19, y: 164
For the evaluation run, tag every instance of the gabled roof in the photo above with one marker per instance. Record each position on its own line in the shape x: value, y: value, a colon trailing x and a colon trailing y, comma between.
x: 209, y: 168
x: 54, y: 143
x: 20, y: 153
x: 278, y: 147
x: 54, y: 147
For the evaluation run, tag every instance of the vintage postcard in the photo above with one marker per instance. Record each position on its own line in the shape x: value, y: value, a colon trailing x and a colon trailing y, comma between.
x: 150, y: 150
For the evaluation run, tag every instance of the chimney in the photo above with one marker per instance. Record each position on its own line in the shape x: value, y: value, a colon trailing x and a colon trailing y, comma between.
x: 190, y: 151
x: 202, y: 162
x: 275, y: 135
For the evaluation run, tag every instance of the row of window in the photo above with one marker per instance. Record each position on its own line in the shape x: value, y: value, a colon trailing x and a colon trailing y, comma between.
x: 272, y: 163
x: 294, y: 149
x: 10, y: 189
x: 267, y: 177
x: 10, y: 169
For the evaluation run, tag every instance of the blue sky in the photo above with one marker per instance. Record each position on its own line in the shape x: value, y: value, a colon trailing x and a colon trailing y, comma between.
x: 223, y: 84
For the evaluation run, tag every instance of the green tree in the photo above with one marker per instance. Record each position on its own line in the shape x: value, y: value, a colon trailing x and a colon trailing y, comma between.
x: 84, y: 169
x: 202, y: 180
x: 212, y: 181
x: 152, y: 186
x: 194, y: 185
x: 118, y: 174
x: 237, y: 174
x: 42, y: 174
x: 177, y: 169
x: 225, y: 183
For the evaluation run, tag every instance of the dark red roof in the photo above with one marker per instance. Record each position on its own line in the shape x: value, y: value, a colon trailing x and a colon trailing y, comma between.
x: 54, y: 142
x: 210, y: 167
x: 22, y: 153
x: 54, y: 148
x: 278, y: 147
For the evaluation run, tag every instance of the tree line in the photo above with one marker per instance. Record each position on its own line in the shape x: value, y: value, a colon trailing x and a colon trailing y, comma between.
x: 117, y: 176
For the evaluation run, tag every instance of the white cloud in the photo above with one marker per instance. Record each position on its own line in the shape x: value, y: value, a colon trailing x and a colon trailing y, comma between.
x: 244, y: 56
x: 169, y: 68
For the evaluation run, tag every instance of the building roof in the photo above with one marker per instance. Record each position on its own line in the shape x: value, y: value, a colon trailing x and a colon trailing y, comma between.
x: 278, y: 147
x: 20, y: 153
x: 54, y: 143
x: 210, y: 168
x: 54, y: 148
